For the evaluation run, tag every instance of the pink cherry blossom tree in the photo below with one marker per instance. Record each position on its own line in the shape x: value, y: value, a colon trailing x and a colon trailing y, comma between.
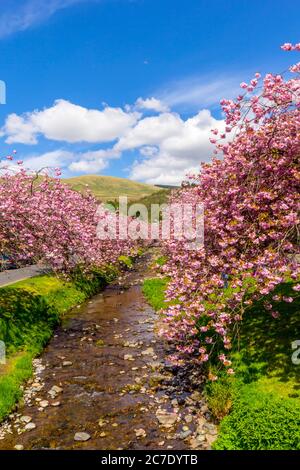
x: 251, y: 197
x: 42, y: 219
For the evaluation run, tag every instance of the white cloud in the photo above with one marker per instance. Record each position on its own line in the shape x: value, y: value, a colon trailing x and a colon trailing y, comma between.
x: 79, y: 162
x: 198, y: 92
x: 150, y: 131
x: 162, y: 170
x: 56, y: 158
x: 167, y: 146
x: 88, y: 166
x: 19, y: 129
x: 171, y: 147
x: 65, y: 121
x: 19, y: 15
x: 152, y: 104
x: 93, y: 162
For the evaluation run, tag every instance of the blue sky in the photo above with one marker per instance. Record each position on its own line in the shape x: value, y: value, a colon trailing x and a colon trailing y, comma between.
x: 130, y: 87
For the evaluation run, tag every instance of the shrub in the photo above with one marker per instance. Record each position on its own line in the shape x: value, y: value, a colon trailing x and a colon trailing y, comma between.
x: 220, y: 396
x: 260, y: 421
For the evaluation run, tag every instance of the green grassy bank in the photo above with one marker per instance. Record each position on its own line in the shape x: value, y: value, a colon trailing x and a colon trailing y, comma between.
x: 29, y: 312
x: 258, y: 407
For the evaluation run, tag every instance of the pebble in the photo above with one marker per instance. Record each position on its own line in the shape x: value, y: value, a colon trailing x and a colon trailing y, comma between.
x: 140, y: 432
x: 19, y: 447
x: 204, y: 409
x: 82, y: 436
x: 185, y: 434
x: 30, y: 426
x: 196, y: 396
x: 26, y: 419
x: 188, y: 418
x: 67, y: 363
x: 165, y: 418
x: 148, y: 352
x: 128, y: 357
x: 54, y: 391
x: 44, y: 403
x: 196, y: 443
x: 209, y: 426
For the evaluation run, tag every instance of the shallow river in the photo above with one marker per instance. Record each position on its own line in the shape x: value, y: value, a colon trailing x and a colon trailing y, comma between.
x: 105, y: 363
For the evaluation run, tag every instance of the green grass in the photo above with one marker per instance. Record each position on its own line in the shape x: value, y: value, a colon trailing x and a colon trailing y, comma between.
x: 161, y: 260
x: 126, y: 261
x: 29, y: 312
x: 16, y: 371
x: 109, y: 188
x: 154, y: 291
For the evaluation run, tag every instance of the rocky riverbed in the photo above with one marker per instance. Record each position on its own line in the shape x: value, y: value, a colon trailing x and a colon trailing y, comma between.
x: 103, y: 382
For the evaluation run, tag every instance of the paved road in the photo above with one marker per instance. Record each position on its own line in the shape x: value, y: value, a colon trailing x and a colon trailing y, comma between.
x: 13, y: 275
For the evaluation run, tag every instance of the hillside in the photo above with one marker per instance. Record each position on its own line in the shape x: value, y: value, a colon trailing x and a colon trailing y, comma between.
x: 109, y: 188
x: 159, y: 197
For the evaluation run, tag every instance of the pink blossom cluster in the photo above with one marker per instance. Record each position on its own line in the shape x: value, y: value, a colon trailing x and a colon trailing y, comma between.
x: 43, y: 219
x: 251, y: 197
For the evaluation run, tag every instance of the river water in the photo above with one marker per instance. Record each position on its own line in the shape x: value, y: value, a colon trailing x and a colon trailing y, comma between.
x: 107, y: 367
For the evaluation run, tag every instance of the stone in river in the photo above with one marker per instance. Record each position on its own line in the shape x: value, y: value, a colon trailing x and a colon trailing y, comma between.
x: 148, y: 352
x: 166, y: 419
x: 185, y: 434
x: 19, y: 447
x: 26, y: 419
x: 82, y: 436
x: 188, y: 418
x: 140, y: 432
x: 55, y: 390
x: 128, y: 357
x: 30, y: 426
x: 44, y: 403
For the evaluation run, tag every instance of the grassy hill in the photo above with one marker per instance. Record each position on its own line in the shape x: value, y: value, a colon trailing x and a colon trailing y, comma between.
x: 109, y: 188
x: 159, y: 197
